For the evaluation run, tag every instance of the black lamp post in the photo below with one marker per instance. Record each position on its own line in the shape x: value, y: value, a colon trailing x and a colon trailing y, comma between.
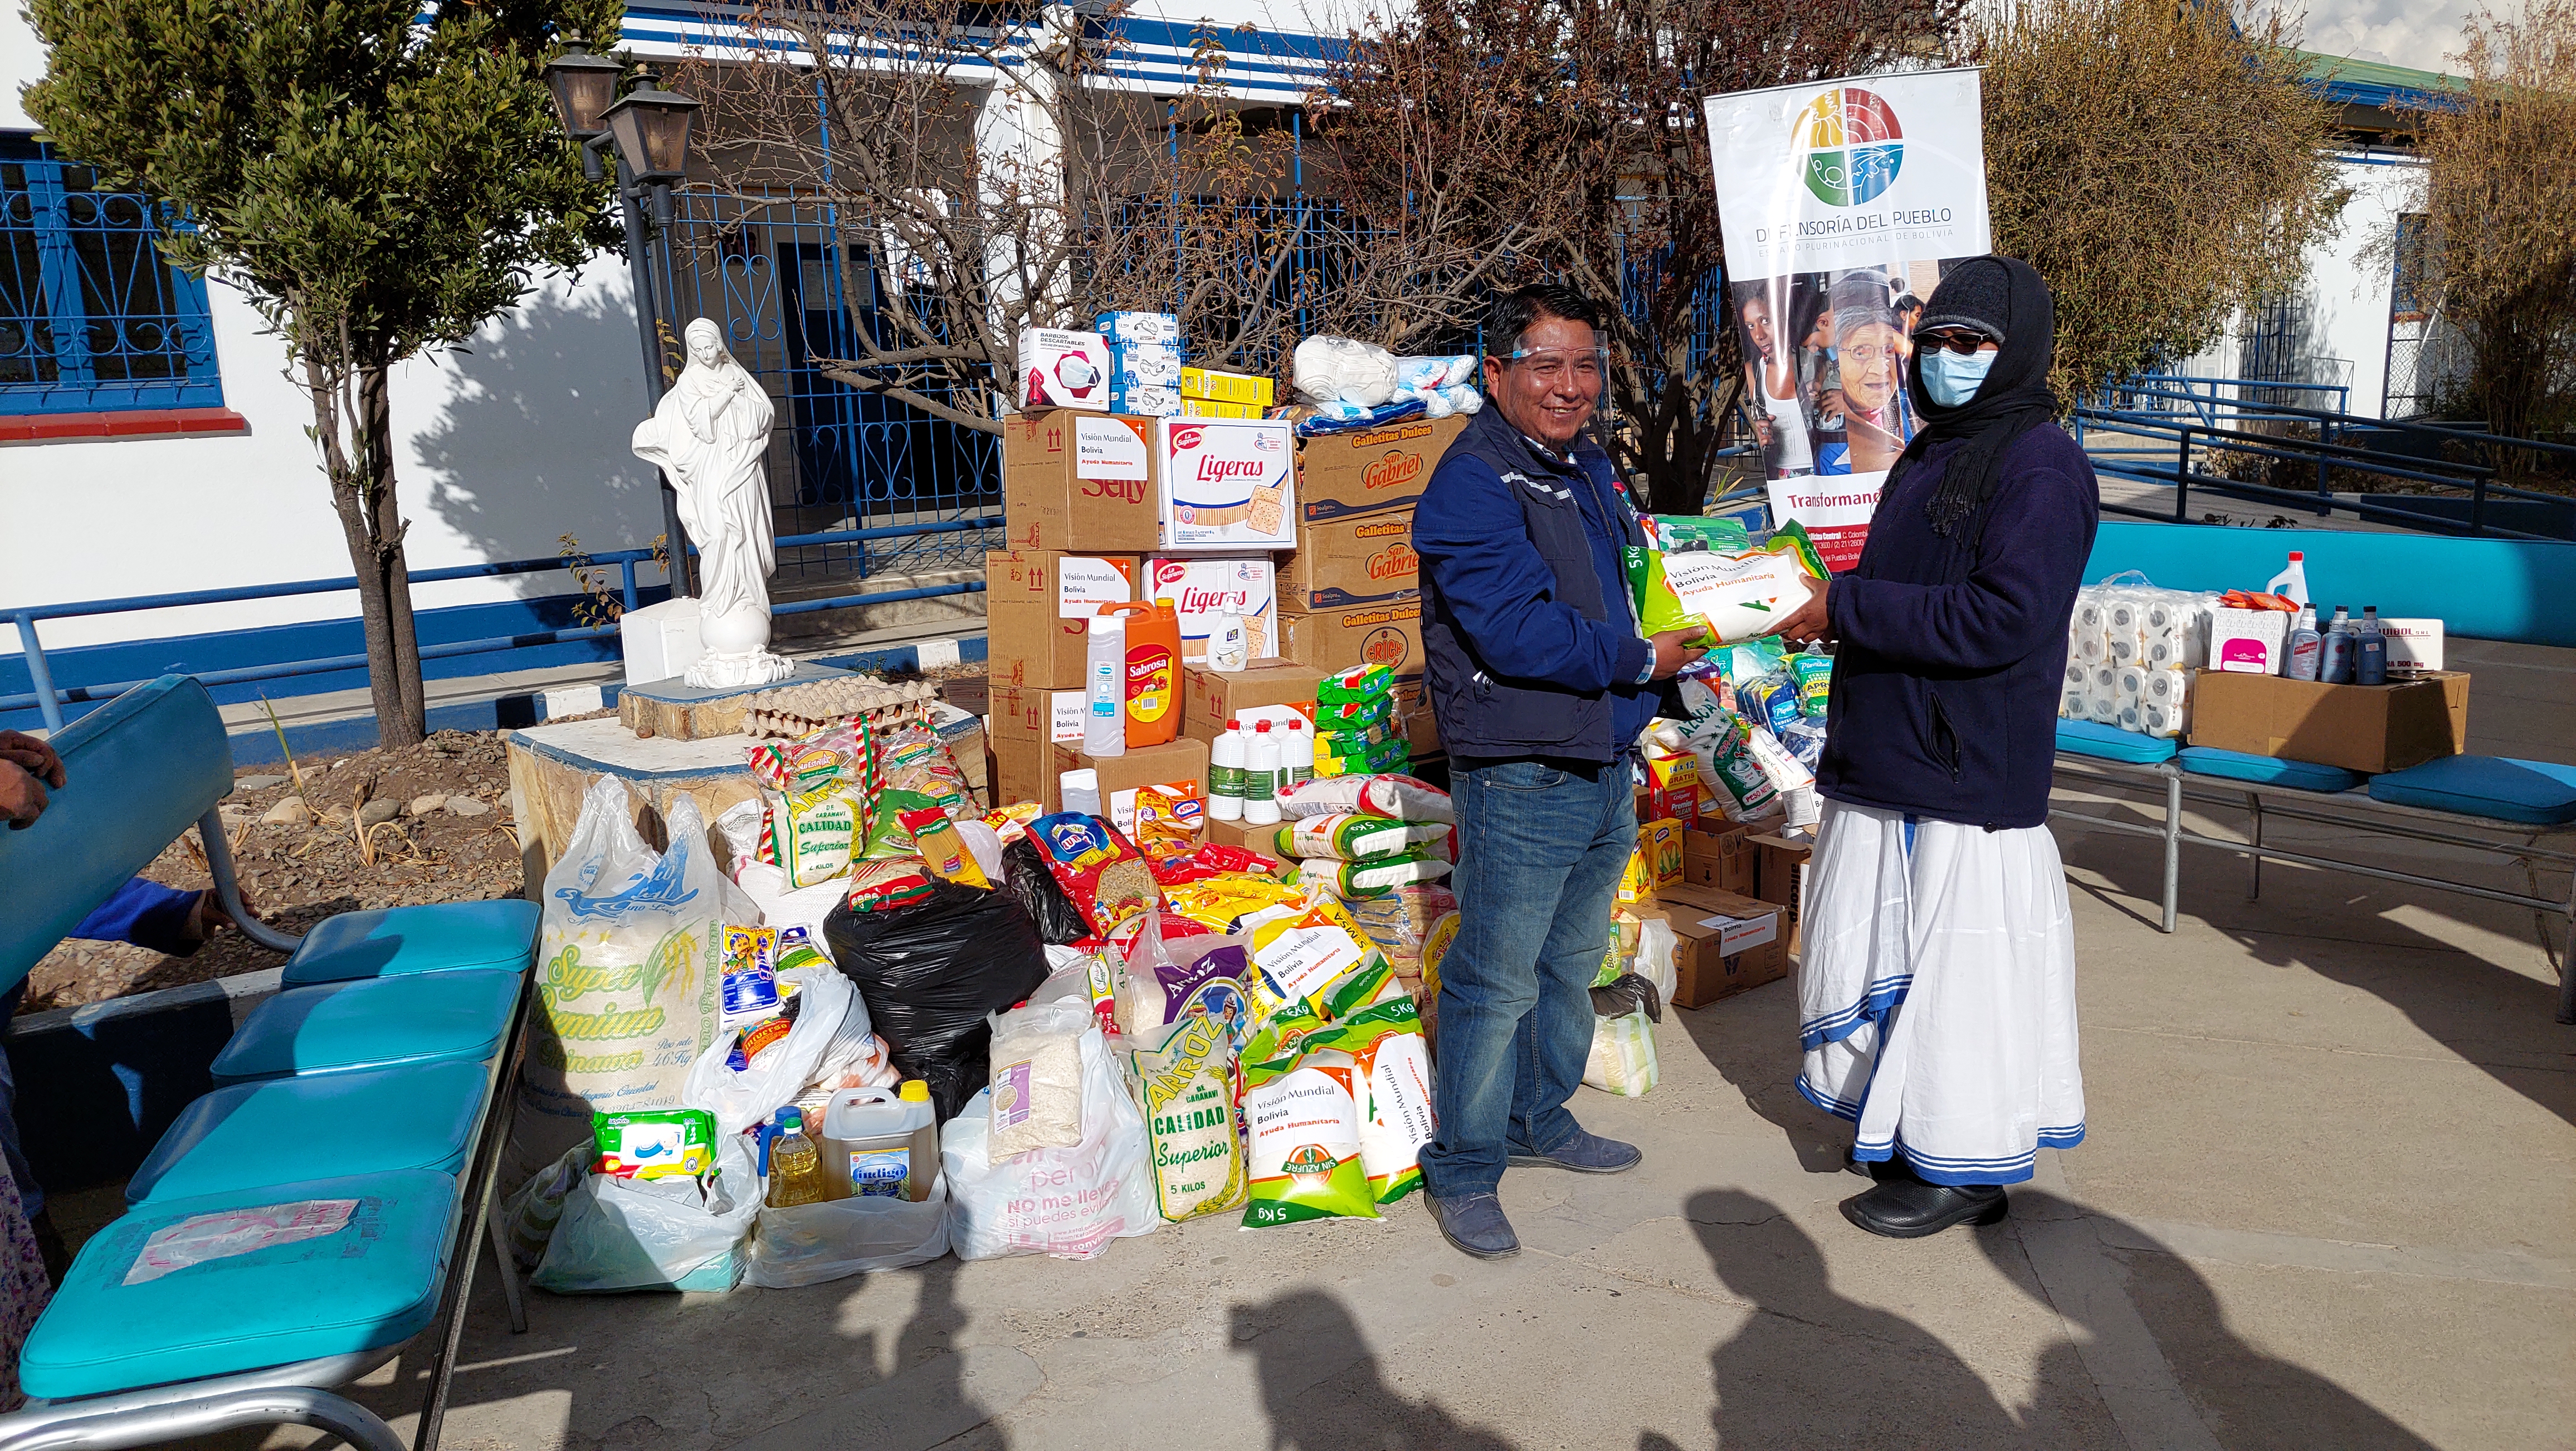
x: 648, y: 132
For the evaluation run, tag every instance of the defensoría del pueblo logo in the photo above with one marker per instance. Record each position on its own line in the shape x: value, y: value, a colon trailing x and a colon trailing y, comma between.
x: 1849, y: 146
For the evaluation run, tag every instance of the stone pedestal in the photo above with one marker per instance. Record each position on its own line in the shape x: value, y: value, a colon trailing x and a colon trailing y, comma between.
x: 552, y: 766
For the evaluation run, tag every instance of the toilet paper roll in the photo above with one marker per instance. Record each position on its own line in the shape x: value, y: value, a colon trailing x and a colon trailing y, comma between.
x: 2130, y: 686
x: 2162, y: 653
x: 2070, y: 706
x: 2164, y: 722
x: 2167, y: 614
x: 2166, y: 687
x: 2132, y: 717
x: 2101, y: 707
x: 2127, y: 649
x: 2121, y: 616
x: 2093, y: 649
x: 2088, y: 614
x: 2076, y: 674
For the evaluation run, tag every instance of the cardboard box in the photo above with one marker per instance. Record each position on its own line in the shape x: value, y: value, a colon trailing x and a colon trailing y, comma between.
x: 1209, y: 698
x: 1024, y: 770
x: 1352, y: 562
x: 1723, y: 858
x: 2414, y: 646
x: 1226, y: 484
x: 1725, y: 943
x: 1033, y: 713
x: 1421, y: 731
x: 1350, y: 475
x: 1330, y: 640
x: 1662, y: 841
x: 2372, y: 728
x: 1067, y: 586
x: 1216, y: 387
x: 1079, y: 482
x: 1201, y: 587
x: 1784, y: 879
x: 1261, y: 841
x: 1182, y: 764
x: 1060, y: 368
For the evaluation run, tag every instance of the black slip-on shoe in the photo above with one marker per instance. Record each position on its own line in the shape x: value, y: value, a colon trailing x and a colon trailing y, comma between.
x: 1912, y: 1209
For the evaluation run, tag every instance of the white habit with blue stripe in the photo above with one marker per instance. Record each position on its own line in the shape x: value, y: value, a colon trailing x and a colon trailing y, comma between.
x: 1936, y: 993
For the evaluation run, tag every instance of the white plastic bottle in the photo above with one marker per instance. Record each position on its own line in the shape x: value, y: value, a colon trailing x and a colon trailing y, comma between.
x: 2300, y: 654
x: 1225, y: 774
x: 2334, y: 662
x: 1297, y: 755
x: 1261, y: 777
x: 2369, y: 649
x: 1229, y: 647
x: 872, y: 1143
x: 2292, y: 582
x: 1080, y: 791
x: 1104, y: 684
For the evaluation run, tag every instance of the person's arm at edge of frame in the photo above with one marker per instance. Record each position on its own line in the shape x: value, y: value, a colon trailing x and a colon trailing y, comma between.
x: 2007, y: 606
x: 1495, y: 582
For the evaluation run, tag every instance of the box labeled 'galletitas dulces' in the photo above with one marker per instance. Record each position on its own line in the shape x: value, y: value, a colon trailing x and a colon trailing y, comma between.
x: 1369, y: 560
x: 1382, y: 470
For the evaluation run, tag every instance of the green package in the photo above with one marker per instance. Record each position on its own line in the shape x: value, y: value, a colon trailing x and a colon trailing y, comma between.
x: 887, y: 839
x: 1658, y: 612
x: 1349, y: 836
x: 1354, y: 714
x: 1374, y: 877
x: 1813, y: 669
x: 654, y: 1143
x: 1359, y: 683
x: 1726, y: 536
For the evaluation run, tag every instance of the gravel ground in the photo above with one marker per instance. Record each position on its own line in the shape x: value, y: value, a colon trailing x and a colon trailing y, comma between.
x: 296, y: 874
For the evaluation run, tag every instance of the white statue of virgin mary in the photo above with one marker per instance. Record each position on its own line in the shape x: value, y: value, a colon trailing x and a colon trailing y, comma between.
x: 709, y: 435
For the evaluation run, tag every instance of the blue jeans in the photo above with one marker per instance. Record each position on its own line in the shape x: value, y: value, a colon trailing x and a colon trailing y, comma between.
x: 1540, y: 850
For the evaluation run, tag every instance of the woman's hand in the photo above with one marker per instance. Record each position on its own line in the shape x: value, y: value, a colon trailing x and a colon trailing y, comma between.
x: 1808, y: 621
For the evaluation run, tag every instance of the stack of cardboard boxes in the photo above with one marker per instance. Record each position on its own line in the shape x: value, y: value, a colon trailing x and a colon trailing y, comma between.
x: 1729, y: 894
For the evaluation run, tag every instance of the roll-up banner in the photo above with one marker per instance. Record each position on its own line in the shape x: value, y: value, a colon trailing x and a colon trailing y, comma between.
x: 1841, y: 203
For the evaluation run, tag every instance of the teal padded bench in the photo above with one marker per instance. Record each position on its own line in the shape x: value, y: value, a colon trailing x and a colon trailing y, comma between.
x: 2515, y: 809
x: 347, y: 1159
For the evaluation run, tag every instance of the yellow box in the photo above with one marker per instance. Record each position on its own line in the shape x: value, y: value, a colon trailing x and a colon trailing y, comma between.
x: 1216, y: 387
x: 1212, y: 408
x: 1662, y: 843
x: 1637, y: 882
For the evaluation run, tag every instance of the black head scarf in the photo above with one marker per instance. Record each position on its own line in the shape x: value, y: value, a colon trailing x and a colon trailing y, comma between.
x: 2013, y: 400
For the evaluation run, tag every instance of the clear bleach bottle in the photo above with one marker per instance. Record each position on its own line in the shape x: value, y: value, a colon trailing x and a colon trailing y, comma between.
x: 2292, y: 582
x: 1261, y: 777
x: 2300, y: 654
x: 1225, y: 774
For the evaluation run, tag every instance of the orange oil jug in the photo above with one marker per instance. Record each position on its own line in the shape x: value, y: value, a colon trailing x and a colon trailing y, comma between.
x: 1153, y: 672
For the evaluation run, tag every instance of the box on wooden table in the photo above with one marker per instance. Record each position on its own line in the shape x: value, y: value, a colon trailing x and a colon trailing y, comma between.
x: 1079, y: 483
x: 2368, y: 728
x: 1352, y: 562
x: 1350, y: 475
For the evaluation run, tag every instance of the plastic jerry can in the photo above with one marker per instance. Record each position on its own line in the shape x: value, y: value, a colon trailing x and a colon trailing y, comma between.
x: 1153, y: 674
x: 872, y: 1144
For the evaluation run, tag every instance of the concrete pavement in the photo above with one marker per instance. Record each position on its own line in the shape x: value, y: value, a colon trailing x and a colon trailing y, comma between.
x: 2325, y: 1204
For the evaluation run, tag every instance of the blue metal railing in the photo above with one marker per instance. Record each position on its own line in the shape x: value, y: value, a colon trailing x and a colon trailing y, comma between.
x: 51, y: 701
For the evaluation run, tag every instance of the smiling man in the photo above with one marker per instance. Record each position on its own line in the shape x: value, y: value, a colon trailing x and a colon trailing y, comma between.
x: 1541, y: 685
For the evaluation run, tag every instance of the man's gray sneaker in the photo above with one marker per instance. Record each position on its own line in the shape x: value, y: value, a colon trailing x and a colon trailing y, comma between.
x: 1584, y: 1154
x: 1475, y: 1223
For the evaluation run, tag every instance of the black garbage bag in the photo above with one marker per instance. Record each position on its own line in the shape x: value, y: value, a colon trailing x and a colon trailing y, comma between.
x: 931, y: 971
x: 1026, y: 880
x: 1625, y: 994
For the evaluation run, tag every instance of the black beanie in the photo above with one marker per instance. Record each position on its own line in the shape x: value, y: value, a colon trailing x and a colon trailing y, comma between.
x: 1975, y: 294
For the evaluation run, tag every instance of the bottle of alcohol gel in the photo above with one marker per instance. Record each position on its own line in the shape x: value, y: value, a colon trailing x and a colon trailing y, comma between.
x: 1261, y: 777
x: 1225, y: 774
x: 2334, y: 663
x: 1296, y: 755
x: 2305, y: 645
x: 2370, y: 650
x: 1104, y: 683
x: 2292, y: 582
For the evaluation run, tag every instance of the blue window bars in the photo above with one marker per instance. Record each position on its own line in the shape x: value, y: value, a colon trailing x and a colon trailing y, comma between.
x: 92, y: 319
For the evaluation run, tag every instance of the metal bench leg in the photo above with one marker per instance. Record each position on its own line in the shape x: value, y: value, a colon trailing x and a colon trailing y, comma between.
x: 2562, y: 958
x: 2254, y: 859
x: 2173, y: 847
x: 189, y: 1422
x: 511, y: 1292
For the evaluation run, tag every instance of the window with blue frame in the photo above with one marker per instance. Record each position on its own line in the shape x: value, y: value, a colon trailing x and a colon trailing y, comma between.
x: 92, y: 318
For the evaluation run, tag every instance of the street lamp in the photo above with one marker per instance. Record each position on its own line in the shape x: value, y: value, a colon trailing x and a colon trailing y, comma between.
x: 647, y: 134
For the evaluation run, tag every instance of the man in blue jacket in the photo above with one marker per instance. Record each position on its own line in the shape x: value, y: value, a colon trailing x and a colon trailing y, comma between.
x: 1541, y: 684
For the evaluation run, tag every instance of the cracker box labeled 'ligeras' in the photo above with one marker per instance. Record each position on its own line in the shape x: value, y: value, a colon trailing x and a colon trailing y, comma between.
x: 1227, y: 483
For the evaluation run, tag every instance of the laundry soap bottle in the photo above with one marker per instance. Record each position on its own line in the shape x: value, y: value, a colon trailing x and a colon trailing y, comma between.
x: 2370, y: 649
x: 1104, y: 663
x: 1152, y: 679
x: 1261, y: 777
x: 1225, y: 774
x: 1296, y: 755
x: 2300, y: 653
x: 2292, y: 582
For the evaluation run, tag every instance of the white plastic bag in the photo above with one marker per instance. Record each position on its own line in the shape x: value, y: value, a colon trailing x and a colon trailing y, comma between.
x: 1623, y: 1056
x: 659, y: 1234
x: 1656, y: 946
x: 1064, y: 1202
x: 782, y: 905
x: 630, y: 955
x: 740, y: 1098
x: 1037, y: 1080
x: 808, y: 1244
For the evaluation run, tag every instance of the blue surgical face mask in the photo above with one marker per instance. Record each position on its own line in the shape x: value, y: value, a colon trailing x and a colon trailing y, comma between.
x: 1952, y: 378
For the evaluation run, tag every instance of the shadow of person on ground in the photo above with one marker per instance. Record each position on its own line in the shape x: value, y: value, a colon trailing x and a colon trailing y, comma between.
x: 1323, y: 1390
x: 1751, y: 1039
x: 2247, y: 1400
x: 1811, y: 1368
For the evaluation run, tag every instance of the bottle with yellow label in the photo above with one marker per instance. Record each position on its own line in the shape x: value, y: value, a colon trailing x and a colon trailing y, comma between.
x: 1153, y: 683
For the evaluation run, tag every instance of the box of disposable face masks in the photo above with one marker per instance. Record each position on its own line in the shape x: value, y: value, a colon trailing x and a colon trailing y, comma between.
x: 1060, y: 368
